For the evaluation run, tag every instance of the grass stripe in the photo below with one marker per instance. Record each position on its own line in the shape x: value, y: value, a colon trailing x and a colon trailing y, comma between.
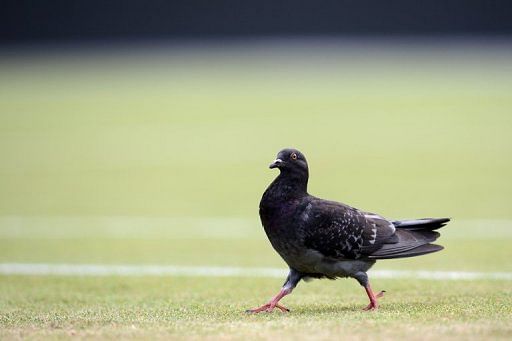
x: 140, y: 227
x: 217, y: 271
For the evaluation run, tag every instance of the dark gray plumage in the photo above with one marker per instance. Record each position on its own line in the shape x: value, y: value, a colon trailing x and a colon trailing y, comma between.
x: 319, y: 238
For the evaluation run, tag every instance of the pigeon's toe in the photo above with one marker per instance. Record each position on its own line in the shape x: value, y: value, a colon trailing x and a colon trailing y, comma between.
x: 269, y: 307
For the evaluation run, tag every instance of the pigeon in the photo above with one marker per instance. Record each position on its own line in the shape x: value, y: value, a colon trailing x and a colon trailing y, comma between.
x: 320, y: 238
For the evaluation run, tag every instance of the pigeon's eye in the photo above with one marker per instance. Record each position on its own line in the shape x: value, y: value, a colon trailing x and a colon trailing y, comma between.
x: 293, y: 156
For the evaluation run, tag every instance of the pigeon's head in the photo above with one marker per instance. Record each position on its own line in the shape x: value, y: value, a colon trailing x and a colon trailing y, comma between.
x: 290, y: 160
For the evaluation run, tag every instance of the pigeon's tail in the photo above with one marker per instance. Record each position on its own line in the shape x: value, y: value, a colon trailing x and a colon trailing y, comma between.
x: 412, y: 238
x: 421, y: 224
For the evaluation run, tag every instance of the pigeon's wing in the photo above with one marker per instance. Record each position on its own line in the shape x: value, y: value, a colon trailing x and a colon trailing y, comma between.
x: 340, y: 231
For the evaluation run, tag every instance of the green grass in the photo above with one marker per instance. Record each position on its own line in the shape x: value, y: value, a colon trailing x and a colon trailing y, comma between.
x: 189, y: 307
x: 161, y: 157
x: 397, y: 130
x: 198, y: 307
x: 470, y: 246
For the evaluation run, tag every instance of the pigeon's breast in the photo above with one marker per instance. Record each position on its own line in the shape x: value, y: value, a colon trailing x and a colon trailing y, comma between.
x: 282, y: 229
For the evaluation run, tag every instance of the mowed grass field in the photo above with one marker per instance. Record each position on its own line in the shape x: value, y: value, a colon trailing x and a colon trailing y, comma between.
x: 158, y: 156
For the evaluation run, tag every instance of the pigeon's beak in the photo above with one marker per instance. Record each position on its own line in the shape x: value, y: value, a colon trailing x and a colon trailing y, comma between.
x: 276, y: 163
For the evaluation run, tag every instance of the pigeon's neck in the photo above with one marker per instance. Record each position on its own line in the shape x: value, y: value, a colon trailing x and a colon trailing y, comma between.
x: 287, y: 186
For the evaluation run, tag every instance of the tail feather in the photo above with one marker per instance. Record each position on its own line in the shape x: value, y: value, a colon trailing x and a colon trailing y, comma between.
x: 421, y: 224
x: 418, y: 251
x: 412, y: 238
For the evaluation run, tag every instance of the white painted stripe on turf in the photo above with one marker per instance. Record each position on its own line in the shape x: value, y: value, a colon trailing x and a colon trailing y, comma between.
x: 221, y: 271
x: 136, y: 270
x: 441, y: 275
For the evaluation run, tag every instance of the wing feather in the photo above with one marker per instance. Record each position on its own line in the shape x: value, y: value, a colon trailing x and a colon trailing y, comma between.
x: 340, y: 231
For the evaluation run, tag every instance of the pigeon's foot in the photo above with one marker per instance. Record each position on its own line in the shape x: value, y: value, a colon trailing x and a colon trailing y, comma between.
x: 374, y: 305
x: 371, y: 307
x: 274, y: 303
x: 268, y: 308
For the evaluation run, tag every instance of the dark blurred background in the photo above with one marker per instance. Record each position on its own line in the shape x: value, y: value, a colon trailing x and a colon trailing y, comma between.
x: 62, y: 20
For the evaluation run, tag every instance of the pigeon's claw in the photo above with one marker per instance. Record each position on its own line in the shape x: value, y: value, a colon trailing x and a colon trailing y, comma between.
x: 282, y: 308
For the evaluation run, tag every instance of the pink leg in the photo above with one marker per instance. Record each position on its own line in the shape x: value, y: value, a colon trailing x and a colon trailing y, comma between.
x: 274, y: 302
x: 374, y: 305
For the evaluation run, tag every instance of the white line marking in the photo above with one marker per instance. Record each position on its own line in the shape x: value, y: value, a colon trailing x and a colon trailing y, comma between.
x: 218, y: 271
